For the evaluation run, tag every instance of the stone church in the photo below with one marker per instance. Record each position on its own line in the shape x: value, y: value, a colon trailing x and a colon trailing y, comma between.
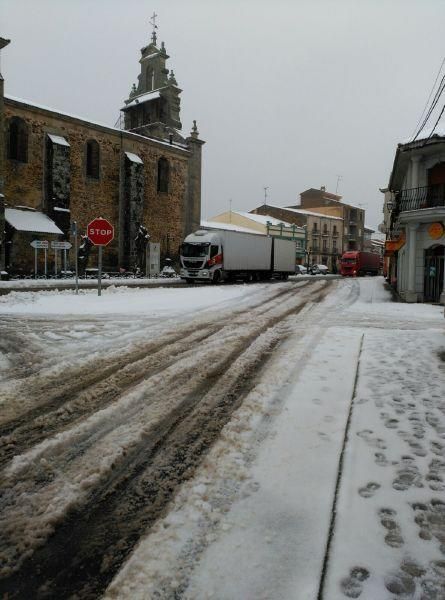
x: 57, y: 168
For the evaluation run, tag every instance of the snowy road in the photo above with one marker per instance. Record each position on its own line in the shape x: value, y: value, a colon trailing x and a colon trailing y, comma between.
x: 186, y: 443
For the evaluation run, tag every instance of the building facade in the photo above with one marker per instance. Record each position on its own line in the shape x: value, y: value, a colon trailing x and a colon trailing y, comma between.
x: 326, y: 203
x: 324, y: 239
x: 415, y: 215
x: 71, y: 169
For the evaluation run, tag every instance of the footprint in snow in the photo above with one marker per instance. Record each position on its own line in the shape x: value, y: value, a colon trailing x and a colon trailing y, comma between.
x: 394, y: 536
x: 352, y: 586
x: 407, y: 476
x: 369, y: 489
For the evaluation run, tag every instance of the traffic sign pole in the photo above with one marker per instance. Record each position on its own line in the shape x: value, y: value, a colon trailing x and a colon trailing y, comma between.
x: 99, y: 274
x: 74, y: 232
x: 46, y: 263
x: 100, y: 233
x: 35, y: 263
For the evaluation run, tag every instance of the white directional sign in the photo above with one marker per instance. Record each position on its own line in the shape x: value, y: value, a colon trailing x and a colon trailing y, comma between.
x: 40, y: 244
x: 60, y: 245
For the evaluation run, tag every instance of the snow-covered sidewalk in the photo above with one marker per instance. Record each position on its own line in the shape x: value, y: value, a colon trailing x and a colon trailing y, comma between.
x: 254, y: 522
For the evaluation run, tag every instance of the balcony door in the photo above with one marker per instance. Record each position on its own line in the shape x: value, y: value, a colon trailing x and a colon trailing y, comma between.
x: 436, y: 175
x: 433, y: 273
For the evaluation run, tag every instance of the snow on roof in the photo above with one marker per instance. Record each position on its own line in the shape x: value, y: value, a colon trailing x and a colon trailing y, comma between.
x: 263, y: 219
x: 58, y: 139
x: 97, y: 123
x: 27, y: 220
x: 228, y: 227
x: 151, y: 55
x: 306, y: 212
x: 134, y: 158
x: 143, y: 98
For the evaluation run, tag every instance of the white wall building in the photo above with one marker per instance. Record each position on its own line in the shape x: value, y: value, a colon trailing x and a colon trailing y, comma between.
x: 417, y: 218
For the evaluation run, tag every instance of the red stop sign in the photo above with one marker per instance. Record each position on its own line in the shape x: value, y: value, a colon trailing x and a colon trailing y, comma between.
x: 100, y: 231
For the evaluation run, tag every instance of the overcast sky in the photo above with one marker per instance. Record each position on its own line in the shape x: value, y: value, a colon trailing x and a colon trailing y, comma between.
x: 287, y: 94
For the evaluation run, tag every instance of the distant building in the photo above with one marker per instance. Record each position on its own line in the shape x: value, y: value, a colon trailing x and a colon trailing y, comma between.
x: 327, y: 203
x: 70, y: 169
x: 415, y: 216
x: 267, y: 225
x: 324, y: 234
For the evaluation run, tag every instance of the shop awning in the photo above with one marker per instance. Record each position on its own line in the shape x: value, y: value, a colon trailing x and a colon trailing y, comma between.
x: 30, y: 220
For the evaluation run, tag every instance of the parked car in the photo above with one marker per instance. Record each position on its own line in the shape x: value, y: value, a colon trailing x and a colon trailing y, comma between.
x: 300, y: 270
x: 319, y: 270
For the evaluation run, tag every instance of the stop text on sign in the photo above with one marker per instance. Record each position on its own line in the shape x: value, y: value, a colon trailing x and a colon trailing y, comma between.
x: 92, y: 231
x: 100, y: 231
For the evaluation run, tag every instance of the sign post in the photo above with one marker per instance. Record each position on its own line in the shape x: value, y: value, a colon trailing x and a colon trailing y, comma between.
x: 101, y: 233
x: 37, y: 245
x: 59, y: 246
x: 76, y: 267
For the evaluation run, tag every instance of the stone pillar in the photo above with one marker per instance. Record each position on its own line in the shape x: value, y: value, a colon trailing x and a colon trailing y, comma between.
x: 3, y: 43
x: 192, y: 208
x: 411, y: 294
x: 415, y: 160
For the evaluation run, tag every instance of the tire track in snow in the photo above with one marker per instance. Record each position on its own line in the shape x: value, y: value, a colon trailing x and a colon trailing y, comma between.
x: 204, y: 408
x: 46, y: 392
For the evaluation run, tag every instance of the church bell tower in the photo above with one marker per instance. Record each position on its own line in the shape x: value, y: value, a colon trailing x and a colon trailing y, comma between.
x: 153, y: 105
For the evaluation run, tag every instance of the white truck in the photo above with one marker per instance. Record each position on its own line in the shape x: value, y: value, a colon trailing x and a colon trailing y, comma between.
x: 223, y: 255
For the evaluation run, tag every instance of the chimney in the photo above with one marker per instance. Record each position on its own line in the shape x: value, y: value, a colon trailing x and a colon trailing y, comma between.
x: 323, y: 188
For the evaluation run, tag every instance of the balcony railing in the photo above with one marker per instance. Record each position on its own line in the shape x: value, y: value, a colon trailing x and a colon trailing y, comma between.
x: 430, y: 196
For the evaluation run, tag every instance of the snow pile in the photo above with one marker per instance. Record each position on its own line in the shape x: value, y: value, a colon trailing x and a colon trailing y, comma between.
x: 115, y: 300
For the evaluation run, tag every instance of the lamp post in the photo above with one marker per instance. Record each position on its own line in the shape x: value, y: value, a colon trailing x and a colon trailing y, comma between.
x: 308, y: 255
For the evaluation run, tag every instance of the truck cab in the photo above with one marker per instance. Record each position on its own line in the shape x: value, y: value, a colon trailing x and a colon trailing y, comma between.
x: 201, y: 257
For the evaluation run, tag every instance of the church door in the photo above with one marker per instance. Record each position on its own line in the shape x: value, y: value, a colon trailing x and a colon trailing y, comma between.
x: 433, y: 273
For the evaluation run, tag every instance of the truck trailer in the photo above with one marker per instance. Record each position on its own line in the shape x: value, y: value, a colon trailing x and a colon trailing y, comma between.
x: 354, y: 264
x: 223, y: 255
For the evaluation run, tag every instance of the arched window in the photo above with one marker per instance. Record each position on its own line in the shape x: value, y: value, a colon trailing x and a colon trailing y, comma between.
x: 163, y: 175
x: 149, y: 77
x: 18, y: 140
x: 93, y: 156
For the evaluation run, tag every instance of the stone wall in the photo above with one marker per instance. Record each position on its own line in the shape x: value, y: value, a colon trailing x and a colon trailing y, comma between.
x: 163, y: 213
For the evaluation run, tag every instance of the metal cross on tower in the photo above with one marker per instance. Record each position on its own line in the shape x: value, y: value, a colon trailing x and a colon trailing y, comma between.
x: 153, y: 24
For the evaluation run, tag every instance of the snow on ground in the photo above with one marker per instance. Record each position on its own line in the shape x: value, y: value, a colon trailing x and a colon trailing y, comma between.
x: 114, y: 300
x: 253, y: 523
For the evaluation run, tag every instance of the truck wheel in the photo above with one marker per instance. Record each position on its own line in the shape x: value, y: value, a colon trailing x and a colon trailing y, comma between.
x: 216, y: 277
x: 190, y: 281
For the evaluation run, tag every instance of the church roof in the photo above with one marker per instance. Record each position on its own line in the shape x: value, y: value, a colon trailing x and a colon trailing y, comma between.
x: 143, y: 98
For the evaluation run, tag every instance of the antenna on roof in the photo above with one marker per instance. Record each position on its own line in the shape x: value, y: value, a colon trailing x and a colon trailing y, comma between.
x: 265, y: 188
x: 154, y: 26
x: 339, y: 178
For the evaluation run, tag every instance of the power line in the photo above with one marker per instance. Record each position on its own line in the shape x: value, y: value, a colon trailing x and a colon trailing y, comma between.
x: 436, y: 99
x: 429, y: 97
x: 435, y: 124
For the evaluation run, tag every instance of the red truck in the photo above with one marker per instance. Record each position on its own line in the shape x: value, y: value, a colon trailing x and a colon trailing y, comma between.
x: 354, y: 264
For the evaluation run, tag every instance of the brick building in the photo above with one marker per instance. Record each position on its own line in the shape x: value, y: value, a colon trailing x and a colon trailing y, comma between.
x: 71, y: 169
x: 329, y: 204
